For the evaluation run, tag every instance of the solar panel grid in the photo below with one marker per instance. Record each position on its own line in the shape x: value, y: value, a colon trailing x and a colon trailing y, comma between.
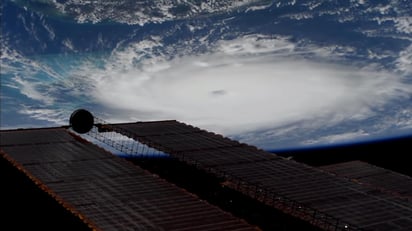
x: 384, y: 227
x: 264, y: 171
x: 37, y: 155
x: 338, y: 197
x: 188, y: 142
x: 50, y: 153
x: 329, y: 203
x: 356, y: 171
x: 44, y: 172
x: 253, y: 189
x: 112, y: 193
x: 216, y: 139
x: 403, y: 222
x: 173, y: 134
x: 115, y: 216
x: 374, y: 176
x: 198, y: 218
x: 227, y: 156
x: 225, y: 225
x: 392, y: 182
x: 175, y: 218
x: 130, y: 191
x: 366, y: 212
x: 156, y: 128
x: 311, y: 194
x: 33, y: 136
x: 170, y: 216
x: 77, y: 170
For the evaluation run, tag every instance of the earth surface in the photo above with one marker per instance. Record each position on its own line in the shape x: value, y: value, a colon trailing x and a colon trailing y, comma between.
x: 275, y: 74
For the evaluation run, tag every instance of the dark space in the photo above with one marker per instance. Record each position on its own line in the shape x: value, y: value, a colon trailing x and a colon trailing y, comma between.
x: 393, y: 154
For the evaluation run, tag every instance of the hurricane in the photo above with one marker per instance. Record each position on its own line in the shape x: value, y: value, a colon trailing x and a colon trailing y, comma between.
x: 275, y: 74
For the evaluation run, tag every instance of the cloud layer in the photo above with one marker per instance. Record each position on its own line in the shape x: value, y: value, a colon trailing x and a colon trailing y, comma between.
x: 249, y: 84
x: 263, y: 90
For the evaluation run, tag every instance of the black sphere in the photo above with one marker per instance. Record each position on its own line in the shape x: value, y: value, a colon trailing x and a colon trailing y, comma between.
x: 81, y: 121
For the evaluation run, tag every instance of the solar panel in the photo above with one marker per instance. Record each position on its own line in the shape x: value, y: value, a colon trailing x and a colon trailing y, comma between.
x: 315, y: 195
x: 374, y: 176
x: 105, y: 191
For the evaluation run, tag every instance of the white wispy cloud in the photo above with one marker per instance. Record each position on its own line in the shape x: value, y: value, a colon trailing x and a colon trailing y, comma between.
x: 404, y: 24
x: 51, y: 115
x: 149, y: 12
x: 404, y: 62
x: 334, y: 138
x: 29, y: 89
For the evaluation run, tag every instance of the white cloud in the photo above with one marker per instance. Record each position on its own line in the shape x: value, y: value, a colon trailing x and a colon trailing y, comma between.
x: 404, y: 62
x: 68, y: 44
x: 29, y: 89
x: 334, y: 138
x: 262, y: 7
x: 147, y: 12
x: 50, y: 115
x: 246, y: 85
x: 256, y: 88
x: 404, y: 24
x: 256, y: 44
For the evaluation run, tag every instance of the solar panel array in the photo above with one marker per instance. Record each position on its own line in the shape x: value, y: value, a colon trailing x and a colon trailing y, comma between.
x: 325, y: 200
x: 105, y: 191
x: 375, y: 177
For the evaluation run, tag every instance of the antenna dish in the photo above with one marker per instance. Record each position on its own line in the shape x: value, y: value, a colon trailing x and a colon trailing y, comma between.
x: 81, y: 121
